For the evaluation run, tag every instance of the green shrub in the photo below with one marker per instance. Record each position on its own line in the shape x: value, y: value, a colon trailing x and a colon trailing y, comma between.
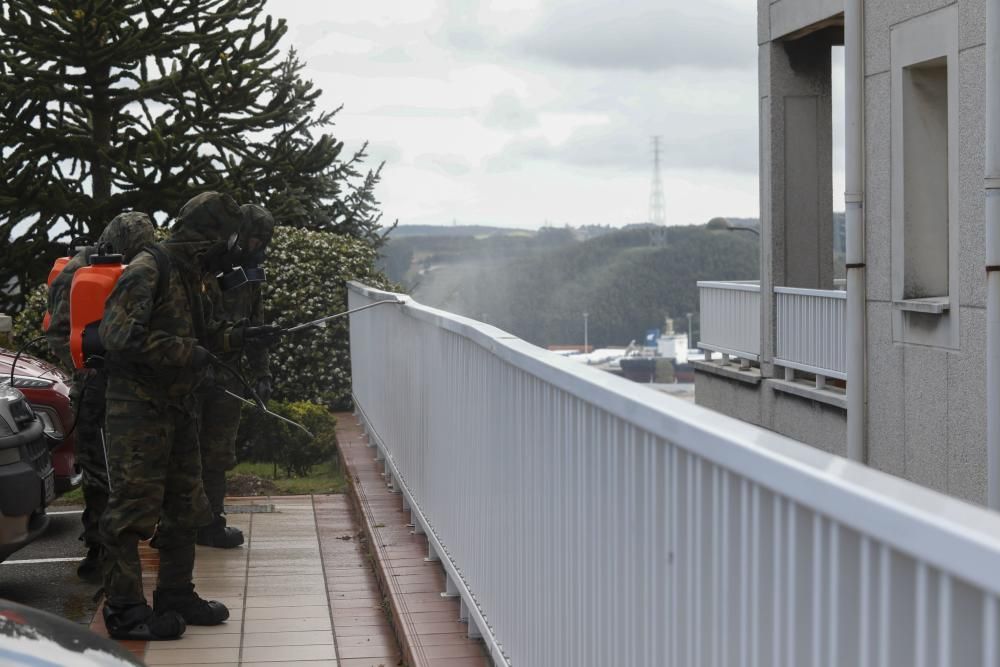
x: 28, y: 325
x: 264, y: 438
x: 307, y: 275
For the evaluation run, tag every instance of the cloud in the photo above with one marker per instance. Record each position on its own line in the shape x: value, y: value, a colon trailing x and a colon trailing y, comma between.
x: 470, y: 100
x: 450, y: 165
x: 384, y: 151
x: 507, y: 112
x: 410, y: 111
x: 645, y: 35
x: 618, y: 146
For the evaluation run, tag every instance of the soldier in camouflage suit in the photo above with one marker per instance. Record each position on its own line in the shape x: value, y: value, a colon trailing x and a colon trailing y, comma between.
x: 220, y: 412
x: 126, y: 235
x: 157, y: 355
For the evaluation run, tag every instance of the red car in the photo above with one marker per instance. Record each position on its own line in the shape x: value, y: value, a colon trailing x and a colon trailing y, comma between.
x: 47, y: 389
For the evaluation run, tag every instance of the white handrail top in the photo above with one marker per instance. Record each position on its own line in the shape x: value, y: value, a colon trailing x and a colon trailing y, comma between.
x: 802, y: 291
x: 742, y: 286
x: 945, y: 532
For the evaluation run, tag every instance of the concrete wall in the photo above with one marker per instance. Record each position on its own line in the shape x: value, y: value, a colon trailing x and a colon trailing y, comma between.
x: 789, y: 16
x: 926, y: 388
x: 814, y: 423
x: 926, y: 402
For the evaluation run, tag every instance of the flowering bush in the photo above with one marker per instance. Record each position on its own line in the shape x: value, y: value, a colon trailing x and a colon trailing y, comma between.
x: 28, y: 325
x: 307, y: 274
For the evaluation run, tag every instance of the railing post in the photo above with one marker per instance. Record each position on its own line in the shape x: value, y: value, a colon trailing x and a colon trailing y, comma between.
x: 450, y: 589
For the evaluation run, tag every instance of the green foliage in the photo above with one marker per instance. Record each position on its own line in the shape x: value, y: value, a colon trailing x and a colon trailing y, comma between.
x: 308, y: 273
x: 28, y: 325
x: 114, y: 106
x: 264, y: 438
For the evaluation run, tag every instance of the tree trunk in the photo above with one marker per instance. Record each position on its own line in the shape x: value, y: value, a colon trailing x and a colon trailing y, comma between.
x: 102, y: 133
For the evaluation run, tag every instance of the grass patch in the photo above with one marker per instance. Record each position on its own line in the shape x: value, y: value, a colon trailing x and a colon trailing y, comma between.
x: 322, y: 478
x: 72, y: 497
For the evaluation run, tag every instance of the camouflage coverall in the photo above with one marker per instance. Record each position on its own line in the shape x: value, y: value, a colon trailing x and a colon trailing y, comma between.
x: 126, y: 234
x: 220, y: 413
x: 152, y: 428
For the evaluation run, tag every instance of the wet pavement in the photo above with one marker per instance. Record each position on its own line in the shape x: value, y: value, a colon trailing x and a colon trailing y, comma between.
x: 300, y: 592
x: 51, y: 586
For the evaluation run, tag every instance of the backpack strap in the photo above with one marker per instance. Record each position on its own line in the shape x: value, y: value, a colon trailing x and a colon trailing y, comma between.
x: 162, y: 269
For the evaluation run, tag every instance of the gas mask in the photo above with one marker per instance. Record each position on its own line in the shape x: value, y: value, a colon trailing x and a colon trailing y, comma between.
x: 223, y: 255
x: 235, y: 277
x: 253, y: 257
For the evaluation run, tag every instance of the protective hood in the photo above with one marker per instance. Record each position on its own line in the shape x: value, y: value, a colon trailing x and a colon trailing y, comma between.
x: 210, y: 216
x: 207, y: 230
x: 127, y: 234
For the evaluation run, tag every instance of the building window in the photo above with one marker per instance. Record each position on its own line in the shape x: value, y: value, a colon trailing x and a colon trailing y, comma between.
x: 925, y: 179
x: 924, y: 265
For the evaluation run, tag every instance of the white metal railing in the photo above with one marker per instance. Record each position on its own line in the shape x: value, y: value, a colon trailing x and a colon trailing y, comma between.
x: 812, y: 331
x: 586, y: 521
x: 729, y: 313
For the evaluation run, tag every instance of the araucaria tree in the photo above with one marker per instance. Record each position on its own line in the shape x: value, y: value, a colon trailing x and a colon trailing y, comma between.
x: 114, y: 105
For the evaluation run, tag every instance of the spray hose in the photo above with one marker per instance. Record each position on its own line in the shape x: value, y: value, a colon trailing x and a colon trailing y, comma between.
x: 83, y: 389
x: 257, y: 402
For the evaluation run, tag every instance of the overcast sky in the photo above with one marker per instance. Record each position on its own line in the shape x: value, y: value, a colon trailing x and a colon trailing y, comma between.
x: 522, y: 112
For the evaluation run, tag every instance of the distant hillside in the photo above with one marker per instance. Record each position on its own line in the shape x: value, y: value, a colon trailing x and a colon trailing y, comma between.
x: 406, y: 231
x: 538, y: 287
x: 405, y: 259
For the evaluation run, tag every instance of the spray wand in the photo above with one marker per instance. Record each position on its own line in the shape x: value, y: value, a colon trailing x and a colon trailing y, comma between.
x: 323, y: 320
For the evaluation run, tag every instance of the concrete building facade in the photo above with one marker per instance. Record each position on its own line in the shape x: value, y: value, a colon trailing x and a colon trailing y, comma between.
x: 922, y: 335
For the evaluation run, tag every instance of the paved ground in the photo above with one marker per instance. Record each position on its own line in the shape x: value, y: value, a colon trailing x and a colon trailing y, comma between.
x: 52, y: 586
x: 427, y: 623
x: 300, y: 592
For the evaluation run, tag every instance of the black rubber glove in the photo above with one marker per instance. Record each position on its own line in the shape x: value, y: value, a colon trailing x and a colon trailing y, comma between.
x: 266, y: 334
x: 263, y: 388
x: 200, y: 357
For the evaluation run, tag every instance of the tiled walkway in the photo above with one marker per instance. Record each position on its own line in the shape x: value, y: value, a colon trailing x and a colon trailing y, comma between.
x: 300, y: 592
x: 428, y: 623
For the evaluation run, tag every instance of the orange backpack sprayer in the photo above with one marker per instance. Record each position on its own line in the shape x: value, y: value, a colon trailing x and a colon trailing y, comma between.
x: 54, y: 272
x: 91, y: 287
x: 57, y: 268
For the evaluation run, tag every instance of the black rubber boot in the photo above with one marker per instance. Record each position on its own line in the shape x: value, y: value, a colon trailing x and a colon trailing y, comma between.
x: 193, y: 608
x: 89, y: 568
x: 217, y: 534
x: 138, y: 621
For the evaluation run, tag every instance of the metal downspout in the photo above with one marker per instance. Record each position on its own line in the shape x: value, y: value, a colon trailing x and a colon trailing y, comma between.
x: 993, y: 253
x: 855, y: 221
